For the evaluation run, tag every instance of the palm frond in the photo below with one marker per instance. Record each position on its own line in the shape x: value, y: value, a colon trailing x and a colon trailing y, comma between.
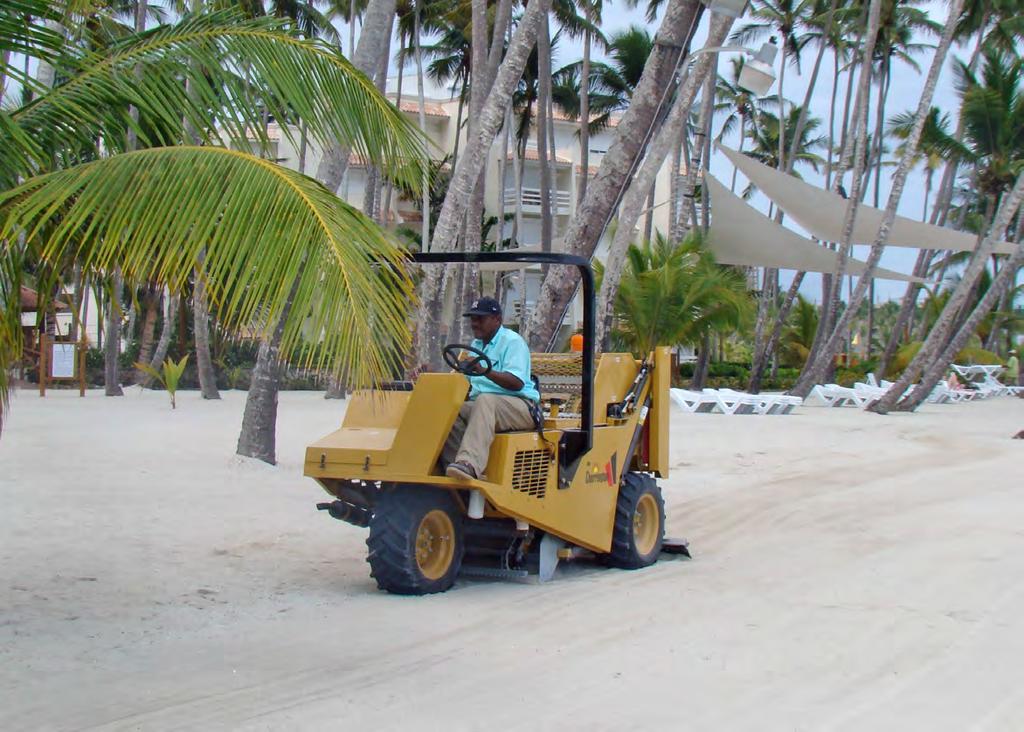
x: 270, y: 236
x: 221, y: 55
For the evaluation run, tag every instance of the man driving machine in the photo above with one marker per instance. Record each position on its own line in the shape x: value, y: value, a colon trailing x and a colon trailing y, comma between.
x: 502, y: 399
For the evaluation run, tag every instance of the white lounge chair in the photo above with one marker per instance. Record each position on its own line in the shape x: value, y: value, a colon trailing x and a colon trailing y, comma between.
x: 731, y: 402
x: 694, y: 402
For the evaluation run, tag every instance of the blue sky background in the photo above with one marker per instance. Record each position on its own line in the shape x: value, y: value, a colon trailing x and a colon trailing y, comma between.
x: 904, y: 94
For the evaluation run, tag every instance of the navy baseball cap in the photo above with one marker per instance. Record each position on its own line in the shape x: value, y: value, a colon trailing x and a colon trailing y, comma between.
x: 484, y: 306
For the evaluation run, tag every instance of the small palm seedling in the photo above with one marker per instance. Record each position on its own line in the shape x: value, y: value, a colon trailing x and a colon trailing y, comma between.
x: 169, y: 375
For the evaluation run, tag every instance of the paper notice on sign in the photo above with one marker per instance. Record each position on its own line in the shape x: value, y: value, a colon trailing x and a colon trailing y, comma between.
x: 62, y: 358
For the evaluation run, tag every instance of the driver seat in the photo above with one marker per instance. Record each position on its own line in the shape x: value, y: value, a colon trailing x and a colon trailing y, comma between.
x: 559, y: 379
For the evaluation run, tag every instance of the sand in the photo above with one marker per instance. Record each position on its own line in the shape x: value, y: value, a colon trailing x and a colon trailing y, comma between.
x: 850, y: 572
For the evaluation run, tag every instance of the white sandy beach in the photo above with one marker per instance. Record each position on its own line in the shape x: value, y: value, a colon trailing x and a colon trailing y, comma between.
x: 850, y: 572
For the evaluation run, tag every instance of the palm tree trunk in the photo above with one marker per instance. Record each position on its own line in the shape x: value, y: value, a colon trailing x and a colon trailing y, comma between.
x: 468, y: 170
x: 674, y: 189
x: 636, y: 127
x: 258, y: 436
x: 649, y: 217
x: 502, y: 28
x: 700, y: 371
x: 633, y: 200
x: 389, y: 189
x: 585, y: 111
x: 460, y: 110
x: 201, y: 328
x: 801, y: 122
x: 374, y: 181
x: 150, y: 312
x: 543, y: 120
x: 739, y: 149
x: 376, y: 31
x: 832, y: 121
x: 818, y: 360
x: 112, y: 352
x: 421, y: 97
x: 782, y: 107
x: 898, y: 181
x: 905, y: 311
x: 761, y: 355
x: 940, y: 364
x: 474, y: 214
x: 112, y: 331
x: 936, y: 341
x: 171, y: 303
x: 352, y: 29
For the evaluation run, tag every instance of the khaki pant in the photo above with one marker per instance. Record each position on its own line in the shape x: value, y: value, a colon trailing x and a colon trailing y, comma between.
x: 473, y: 432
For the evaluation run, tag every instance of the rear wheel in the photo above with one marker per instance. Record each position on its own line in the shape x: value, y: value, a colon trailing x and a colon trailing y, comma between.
x: 415, y: 540
x: 639, y: 523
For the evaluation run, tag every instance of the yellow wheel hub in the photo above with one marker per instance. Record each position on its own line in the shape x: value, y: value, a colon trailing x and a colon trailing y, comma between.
x: 435, y: 544
x: 646, y: 524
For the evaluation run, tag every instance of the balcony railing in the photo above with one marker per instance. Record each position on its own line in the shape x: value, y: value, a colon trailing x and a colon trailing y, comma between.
x: 561, y: 201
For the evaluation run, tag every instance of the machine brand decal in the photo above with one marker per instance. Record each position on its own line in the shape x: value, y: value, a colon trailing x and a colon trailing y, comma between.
x: 611, y: 469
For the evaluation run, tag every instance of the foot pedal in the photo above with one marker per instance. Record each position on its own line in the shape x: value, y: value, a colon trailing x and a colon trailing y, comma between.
x: 676, y: 546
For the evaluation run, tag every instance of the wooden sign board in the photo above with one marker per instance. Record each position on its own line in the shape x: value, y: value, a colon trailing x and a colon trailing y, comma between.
x: 61, y: 361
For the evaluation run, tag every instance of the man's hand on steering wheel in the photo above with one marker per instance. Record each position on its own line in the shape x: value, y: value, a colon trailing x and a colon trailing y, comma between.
x: 478, y: 365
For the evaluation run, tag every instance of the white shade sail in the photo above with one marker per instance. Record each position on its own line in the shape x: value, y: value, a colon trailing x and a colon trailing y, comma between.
x: 742, y: 235
x: 821, y: 212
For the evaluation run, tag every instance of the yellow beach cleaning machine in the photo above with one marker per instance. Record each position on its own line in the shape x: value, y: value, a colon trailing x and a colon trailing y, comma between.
x: 583, y: 484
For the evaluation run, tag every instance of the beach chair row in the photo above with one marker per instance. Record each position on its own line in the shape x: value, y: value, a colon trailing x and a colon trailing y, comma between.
x: 988, y: 385
x: 728, y: 401
x: 862, y: 395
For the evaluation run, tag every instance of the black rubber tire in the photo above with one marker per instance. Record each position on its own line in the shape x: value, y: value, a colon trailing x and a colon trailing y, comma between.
x: 624, y: 553
x: 392, y: 539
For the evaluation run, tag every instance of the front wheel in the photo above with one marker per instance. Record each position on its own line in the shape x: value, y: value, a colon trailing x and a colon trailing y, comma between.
x: 415, y: 540
x: 639, y: 523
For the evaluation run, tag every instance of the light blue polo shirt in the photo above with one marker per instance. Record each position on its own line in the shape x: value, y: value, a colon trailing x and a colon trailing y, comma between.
x: 508, y: 352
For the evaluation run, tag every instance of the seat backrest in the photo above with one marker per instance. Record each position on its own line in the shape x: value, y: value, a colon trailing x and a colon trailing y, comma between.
x: 559, y: 375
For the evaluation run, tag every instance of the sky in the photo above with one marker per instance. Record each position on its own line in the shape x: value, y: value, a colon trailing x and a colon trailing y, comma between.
x: 904, y: 95
x: 905, y: 92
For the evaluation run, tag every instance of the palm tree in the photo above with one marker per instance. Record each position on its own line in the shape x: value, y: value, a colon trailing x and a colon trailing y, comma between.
x: 677, y: 294
x: 992, y: 108
x: 765, y: 135
x: 270, y: 235
x: 798, y: 335
x: 638, y: 125
x: 792, y: 19
x: 824, y: 357
x: 935, y: 148
x: 740, y: 106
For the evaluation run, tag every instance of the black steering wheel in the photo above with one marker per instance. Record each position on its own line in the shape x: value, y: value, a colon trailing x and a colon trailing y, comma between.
x: 451, y: 357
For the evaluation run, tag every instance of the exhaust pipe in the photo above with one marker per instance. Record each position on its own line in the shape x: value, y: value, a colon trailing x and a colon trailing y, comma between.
x: 347, y: 512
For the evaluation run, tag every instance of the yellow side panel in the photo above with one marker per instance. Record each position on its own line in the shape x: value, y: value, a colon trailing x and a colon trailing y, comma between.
x: 657, y: 419
x: 369, y: 408
x: 582, y: 513
x: 432, y: 411
x: 403, y: 430
x: 614, y: 375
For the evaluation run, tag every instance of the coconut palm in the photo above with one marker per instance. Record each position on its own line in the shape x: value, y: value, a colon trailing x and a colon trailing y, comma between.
x: 798, y: 335
x: 637, y: 125
x: 675, y: 295
x: 824, y: 357
x: 271, y: 236
x: 765, y: 135
x: 992, y: 108
x: 739, y: 105
x: 791, y: 19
